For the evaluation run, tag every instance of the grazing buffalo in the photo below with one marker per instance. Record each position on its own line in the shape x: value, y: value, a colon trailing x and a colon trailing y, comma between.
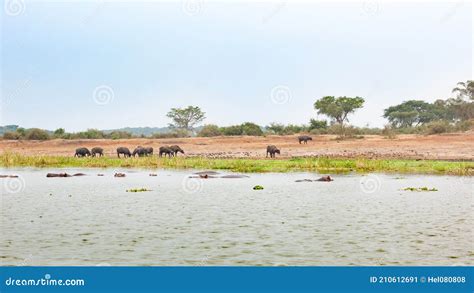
x: 272, y: 150
x: 176, y: 149
x: 167, y: 151
x: 304, y: 138
x: 97, y: 151
x: 140, y: 151
x: 82, y: 152
x: 124, y: 151
x: 149, y: 151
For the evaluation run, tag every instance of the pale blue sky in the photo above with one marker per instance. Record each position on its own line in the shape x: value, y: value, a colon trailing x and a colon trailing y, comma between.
x: 226, y: 58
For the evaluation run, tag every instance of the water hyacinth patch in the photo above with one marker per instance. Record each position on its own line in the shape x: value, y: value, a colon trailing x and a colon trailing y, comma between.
x: 419, y: 189
x: 138, y: 190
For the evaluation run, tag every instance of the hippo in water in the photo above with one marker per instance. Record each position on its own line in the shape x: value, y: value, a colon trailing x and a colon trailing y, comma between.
x: 167, y: 151
x: 304, y: 138
x: 97, y: 152
x: 176, y: 149
x: 82, y: 152
x: 272, y: 150
x: 124, y: 151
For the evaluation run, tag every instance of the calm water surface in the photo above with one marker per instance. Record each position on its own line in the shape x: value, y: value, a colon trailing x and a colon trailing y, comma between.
x: 355, y: 220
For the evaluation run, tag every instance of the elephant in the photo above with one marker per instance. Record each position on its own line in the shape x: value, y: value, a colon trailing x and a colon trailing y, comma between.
x: 167, y: 151
x: 304, y: 138
x: 124, y: 151
x: 272, y: 150
x: 140, y: 151
x: 176, y: 149
x: 97, y: 151
x: 82, y: 152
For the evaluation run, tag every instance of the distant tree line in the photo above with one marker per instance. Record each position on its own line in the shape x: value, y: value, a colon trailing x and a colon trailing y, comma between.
x: 411, y: 116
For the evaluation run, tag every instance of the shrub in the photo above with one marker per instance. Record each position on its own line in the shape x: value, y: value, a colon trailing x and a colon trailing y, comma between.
x: 59, y: 133
x: 275, y: 128
x: 437, y: 127
x: 119, y: 135
x: 317, y: 124
x: 210, y: 130
x: 12, y: 135
x: 232, y: 130
x: 36, y: 134
x: 174, y: 134
x: 90, y: 134
x: 292, y: 129
x: 249, y: 128
x: 388, y: 132
x: 465, y: 125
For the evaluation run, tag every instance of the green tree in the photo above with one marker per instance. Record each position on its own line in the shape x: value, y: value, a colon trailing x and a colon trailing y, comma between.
x: 317, y: 124
x: 292, y: 129
x: 252, y: 129
x: 21, y: 131
x: 59, y: 133
x: 276, y: 128
x: 465, y: 90
x: 338, y: 108
x: 414, y: 112
x: 186, y: 118
x: 463, y: 105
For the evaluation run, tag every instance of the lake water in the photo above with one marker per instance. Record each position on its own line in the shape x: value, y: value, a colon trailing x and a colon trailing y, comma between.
x: 354, y: 220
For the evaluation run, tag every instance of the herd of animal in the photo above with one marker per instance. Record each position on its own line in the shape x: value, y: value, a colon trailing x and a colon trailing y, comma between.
x: 126, y: 153
x: 170, y: 151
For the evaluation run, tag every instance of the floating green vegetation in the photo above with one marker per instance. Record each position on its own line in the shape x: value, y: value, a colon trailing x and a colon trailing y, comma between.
x: 310, y: 164
x: 138, y: 190
x: 258, y: 187
x: 419, y: 189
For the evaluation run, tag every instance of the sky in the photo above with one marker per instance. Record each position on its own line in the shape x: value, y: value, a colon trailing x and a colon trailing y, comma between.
x: 107, y: 65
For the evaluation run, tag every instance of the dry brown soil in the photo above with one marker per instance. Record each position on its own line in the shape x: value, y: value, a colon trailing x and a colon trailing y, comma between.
x: 458, y: 146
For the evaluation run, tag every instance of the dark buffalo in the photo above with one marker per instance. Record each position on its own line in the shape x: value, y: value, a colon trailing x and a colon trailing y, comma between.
x: 123, y: 151
x: 82, y: 152
x: 149, y: 151
x: 272, y: 150
x: 97, y: 152
x: 140, y: 151
x: 167, y: 151
x: 304, y: 138
x: 176, y: 149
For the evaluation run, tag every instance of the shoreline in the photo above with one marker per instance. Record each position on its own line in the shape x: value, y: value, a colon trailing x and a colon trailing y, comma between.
x: 249, y: 165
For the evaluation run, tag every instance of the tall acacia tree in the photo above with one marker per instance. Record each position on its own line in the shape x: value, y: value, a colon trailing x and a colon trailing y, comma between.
x: 186, y: 118
x: 339, y: 108
x: 465, y: 90
x: 463, y: 104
